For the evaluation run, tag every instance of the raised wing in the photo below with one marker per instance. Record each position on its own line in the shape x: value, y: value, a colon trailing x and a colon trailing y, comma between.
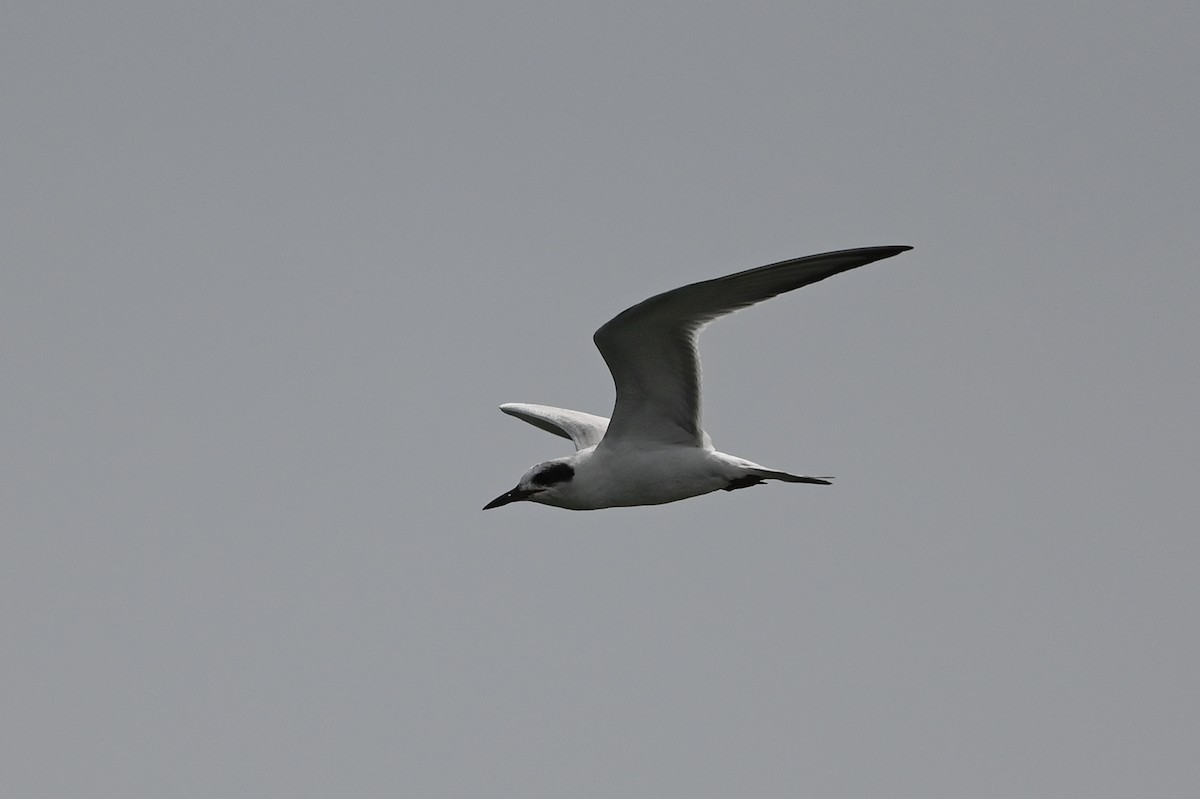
x: 651, y: 348
x: 584, y: 429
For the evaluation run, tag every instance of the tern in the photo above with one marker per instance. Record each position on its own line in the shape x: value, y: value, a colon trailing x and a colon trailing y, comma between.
x: 653, y: 449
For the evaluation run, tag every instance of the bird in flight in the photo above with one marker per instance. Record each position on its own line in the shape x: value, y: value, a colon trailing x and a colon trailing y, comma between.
x: 653, y: 449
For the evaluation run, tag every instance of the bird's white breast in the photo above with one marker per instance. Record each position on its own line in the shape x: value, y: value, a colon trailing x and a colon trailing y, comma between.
x: 638, y: 476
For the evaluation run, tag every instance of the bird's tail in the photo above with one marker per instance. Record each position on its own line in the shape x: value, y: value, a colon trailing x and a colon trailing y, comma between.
x: 770, y: 474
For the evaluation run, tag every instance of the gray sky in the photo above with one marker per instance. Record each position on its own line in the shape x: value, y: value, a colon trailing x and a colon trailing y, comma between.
x: 268, y: 268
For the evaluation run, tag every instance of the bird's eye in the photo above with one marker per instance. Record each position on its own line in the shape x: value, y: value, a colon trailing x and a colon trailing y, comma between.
x: 557, y: 473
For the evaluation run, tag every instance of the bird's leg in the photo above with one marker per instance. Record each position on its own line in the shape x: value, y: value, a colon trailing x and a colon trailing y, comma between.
x: 743, y: 482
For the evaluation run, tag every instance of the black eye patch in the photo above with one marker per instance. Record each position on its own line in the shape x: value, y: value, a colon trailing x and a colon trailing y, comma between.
x: 558, y: 473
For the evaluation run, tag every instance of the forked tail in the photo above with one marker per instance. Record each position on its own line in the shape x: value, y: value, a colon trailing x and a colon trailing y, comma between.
x: 768, y: 474
x: 756, y: 475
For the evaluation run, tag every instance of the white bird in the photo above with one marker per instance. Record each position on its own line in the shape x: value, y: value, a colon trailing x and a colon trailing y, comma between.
x: 653, y: 450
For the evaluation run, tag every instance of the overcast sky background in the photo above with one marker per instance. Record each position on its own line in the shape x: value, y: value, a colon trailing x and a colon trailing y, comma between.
x: 269, y: 268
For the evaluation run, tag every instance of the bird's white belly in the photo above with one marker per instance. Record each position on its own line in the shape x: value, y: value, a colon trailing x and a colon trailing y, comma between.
x: 646, y: 477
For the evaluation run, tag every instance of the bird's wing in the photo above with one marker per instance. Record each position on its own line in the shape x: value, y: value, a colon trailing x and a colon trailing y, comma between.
x: 651, y: 348
x: 584, y: 429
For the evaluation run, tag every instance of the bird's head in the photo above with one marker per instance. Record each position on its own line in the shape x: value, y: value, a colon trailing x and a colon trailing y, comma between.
x: 542, y: 483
